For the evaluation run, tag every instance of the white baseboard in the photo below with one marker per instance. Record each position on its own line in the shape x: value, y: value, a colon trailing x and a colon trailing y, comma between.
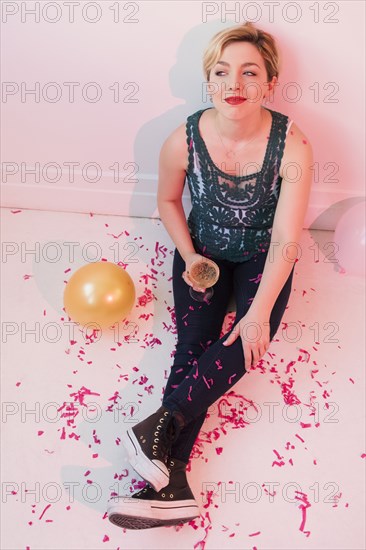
x: 325, y: 208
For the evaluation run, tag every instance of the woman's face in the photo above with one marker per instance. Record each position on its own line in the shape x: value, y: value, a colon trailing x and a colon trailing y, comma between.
x: 229, y: 77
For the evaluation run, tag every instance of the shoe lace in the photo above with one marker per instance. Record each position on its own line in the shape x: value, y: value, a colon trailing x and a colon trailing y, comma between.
x: 146, y: 489
x: 169, y: 436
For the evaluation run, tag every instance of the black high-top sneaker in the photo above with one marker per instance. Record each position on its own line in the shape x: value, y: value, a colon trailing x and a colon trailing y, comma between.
x: 148, y: 445
x: 145, y: 509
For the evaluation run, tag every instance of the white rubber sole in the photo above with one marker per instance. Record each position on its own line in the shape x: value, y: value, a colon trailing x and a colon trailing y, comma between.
x: 132, y: 513
x: 153, y: 471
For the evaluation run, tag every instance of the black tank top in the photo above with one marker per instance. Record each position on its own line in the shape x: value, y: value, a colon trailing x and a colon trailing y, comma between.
x: 232, y: 216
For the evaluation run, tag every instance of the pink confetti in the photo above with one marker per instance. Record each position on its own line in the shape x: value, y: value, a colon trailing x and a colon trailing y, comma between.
x: 232, y: 376
x: 80, y: 395
x: 41, y: 516
x: 148, y: 296
x: 277, y: 454
x: 200, y: 545
x: 219, y: 365
x: 307, y: 354
x: 303, y: 507
x: 207, y: 384
x: 268, y: 492
x: 189, y: 394
x: 195, y: 375
x: 119, y: 235
x: 290, y: 398
x: 278, y: 462
x: 289, y: 366
x: 336, y: 499
x: 96, y: 440
x: 161, y: 249
x: 257, y: 279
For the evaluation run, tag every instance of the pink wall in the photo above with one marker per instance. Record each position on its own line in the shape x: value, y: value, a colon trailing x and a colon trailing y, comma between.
x: 157, y: 46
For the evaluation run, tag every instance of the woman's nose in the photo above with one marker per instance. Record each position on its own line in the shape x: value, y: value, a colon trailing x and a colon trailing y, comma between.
x: 234, y: 83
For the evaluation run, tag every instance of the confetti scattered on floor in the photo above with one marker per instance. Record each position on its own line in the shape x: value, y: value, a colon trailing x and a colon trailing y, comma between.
x: 290, y: 420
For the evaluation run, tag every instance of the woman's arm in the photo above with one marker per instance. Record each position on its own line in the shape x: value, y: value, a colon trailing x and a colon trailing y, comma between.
x: 172, y: 172
x: 287, y: 227
x: 289, y: 218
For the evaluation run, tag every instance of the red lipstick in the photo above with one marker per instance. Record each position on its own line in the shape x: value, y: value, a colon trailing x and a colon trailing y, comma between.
x: 235, y: 100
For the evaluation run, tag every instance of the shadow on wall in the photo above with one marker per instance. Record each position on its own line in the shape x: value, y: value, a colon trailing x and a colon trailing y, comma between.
x: 330, y: 217
x: 187, y: 81
x: 328, y: 221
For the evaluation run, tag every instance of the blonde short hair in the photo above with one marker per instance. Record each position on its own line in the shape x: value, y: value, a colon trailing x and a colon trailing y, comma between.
x: 263, y: 41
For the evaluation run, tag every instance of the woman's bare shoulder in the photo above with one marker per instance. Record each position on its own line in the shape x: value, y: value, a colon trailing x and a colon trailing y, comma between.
x: 296, y: 135
x: 297, y: 147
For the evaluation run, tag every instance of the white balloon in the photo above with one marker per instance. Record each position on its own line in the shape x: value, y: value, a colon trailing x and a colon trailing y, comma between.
x: 350, y: 236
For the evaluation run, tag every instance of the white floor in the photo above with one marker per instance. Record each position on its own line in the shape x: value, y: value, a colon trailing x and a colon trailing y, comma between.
x: 67, y: 399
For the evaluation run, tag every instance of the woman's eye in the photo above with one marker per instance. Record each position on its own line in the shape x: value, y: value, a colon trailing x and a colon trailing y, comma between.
x: 219, y: 73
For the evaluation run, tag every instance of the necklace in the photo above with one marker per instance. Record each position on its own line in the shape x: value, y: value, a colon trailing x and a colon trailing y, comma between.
x: 230, y: 153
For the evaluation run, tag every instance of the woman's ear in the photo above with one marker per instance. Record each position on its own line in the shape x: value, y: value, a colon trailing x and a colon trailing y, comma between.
x: 272, y: 85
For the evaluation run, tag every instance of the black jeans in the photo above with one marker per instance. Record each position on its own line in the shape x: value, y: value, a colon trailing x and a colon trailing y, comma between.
x: 203, y: 369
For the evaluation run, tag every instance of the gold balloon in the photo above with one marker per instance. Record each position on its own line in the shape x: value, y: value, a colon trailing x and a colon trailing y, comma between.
x: 99, y: 292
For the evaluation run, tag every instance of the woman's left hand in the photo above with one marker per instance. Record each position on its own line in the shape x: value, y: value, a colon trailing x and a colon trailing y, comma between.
x: 254, y: 329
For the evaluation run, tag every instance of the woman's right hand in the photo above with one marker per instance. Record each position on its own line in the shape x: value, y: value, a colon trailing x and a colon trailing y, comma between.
x: 193, y: 257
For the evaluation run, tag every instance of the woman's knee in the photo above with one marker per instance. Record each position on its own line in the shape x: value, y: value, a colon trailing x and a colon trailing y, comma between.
x: 187, y: 353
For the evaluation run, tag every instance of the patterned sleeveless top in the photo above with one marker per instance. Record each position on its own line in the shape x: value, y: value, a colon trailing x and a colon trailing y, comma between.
x: 232, y: 216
